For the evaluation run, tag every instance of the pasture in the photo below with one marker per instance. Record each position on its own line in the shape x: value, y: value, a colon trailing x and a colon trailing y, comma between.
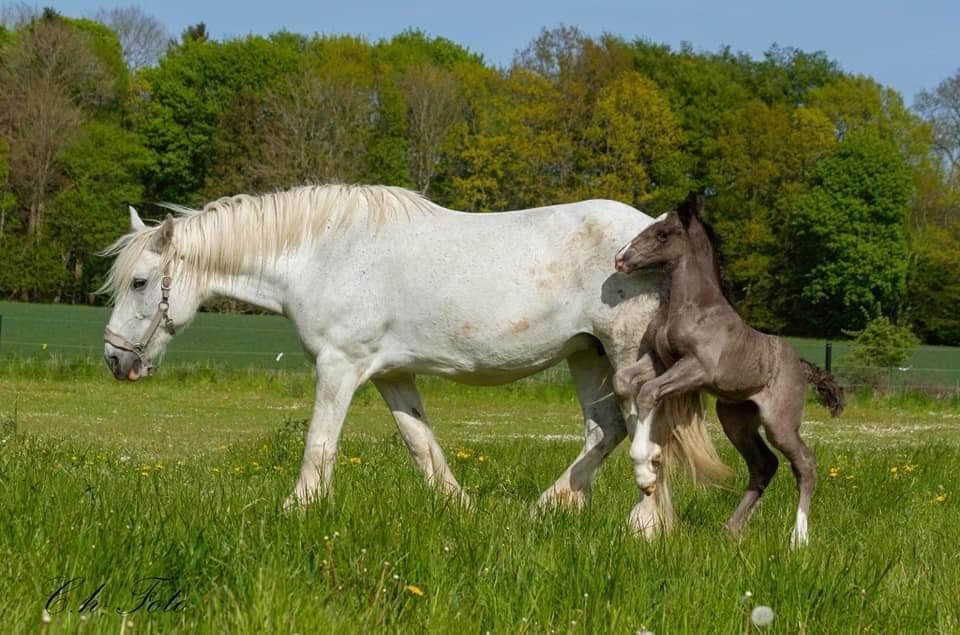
x: 182, y: 477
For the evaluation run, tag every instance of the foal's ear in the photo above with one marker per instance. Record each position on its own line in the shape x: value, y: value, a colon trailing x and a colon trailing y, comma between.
x: 164, y: 235
x: 690, y: 208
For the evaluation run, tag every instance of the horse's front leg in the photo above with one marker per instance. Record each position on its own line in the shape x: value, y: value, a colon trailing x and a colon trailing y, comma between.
x: 603, y: 425
x: 647, y: 455
x: 337, y: 380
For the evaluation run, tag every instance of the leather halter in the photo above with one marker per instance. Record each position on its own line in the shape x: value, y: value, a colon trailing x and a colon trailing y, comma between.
x: 160, y: 319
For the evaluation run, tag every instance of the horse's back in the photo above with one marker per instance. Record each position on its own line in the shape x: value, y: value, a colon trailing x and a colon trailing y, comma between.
x: 484, y: 296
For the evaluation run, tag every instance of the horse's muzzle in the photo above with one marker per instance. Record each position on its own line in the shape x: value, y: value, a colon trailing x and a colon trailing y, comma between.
x: 124, y: 365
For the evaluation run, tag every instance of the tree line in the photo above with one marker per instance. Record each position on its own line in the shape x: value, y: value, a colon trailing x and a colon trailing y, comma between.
x: 836, y: 203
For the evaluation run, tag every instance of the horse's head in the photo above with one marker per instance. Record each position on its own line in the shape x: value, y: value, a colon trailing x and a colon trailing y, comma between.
x: 150, y: 299
x: 663, y: 242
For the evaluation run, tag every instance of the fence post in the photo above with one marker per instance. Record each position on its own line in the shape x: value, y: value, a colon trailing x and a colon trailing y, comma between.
x: 828, y: 356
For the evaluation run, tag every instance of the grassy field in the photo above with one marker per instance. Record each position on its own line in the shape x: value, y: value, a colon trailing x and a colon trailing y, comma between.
x: 182, y: 477
x: 40, y: 331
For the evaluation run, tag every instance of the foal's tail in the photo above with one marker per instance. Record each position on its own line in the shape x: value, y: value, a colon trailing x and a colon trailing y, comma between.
x: 831, y: 393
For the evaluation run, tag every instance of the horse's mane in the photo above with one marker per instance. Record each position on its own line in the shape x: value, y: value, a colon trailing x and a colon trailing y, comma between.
x: 231, y: 232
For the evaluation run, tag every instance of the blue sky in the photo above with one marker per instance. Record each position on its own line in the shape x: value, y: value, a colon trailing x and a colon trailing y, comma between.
x: 909, y: 45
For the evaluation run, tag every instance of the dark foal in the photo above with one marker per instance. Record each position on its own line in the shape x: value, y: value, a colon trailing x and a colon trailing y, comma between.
x: 698, y: 342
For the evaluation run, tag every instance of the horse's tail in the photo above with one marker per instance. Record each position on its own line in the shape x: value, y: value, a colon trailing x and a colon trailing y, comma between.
x: 681, y: 430
x: 686, y: 439
x: 831, y: 392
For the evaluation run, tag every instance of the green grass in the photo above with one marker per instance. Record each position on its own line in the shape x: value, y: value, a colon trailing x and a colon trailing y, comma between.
x: 39, y: 331
x: 183, y: 475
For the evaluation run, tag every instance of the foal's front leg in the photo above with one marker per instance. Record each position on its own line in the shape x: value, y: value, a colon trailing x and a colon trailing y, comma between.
x: 686, y: 375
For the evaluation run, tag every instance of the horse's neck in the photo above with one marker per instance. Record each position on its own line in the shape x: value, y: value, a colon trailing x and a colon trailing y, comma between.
x: 264, y: 289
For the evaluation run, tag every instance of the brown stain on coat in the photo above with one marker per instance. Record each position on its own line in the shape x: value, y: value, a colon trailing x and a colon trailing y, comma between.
x: 519, y: 327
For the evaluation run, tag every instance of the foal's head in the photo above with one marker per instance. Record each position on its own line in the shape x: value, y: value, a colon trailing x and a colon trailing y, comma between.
x: 665, y: 241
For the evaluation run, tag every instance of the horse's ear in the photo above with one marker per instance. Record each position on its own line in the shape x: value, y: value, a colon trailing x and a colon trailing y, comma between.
x: 164, y: 235
x: 690, y: 208
x: 136, y: 223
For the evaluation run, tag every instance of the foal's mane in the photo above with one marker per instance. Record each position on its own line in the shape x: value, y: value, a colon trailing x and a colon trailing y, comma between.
x: 231, y: 232
x: 705, y: 239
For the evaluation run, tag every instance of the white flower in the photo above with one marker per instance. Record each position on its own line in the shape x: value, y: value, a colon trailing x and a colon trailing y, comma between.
x: 762, y: 616
x: 45, y: 617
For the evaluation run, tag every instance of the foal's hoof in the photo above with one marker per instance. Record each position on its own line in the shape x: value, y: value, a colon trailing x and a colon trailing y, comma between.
x: 648, y: 488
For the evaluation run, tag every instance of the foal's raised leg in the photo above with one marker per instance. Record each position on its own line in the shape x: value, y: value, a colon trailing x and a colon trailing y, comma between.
x: 403, y: 398
x: 685, y: 375
x: 741, y: 424
x: 783, y: 431
x: 604, y: 429
x: 336, y: 383
x: 654, y: 506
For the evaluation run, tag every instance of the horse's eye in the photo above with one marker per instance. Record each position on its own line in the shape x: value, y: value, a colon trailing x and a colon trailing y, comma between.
x: 662, y: 236
x: 139, y: 284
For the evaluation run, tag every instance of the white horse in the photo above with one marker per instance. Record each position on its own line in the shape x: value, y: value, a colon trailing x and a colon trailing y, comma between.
x: 383, y: 285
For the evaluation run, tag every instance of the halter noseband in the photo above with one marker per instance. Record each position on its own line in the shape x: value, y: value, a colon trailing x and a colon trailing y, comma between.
x: 160, y: 318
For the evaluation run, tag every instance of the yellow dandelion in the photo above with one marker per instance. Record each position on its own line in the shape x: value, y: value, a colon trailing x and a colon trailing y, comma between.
x: 909, y: 467
x: 481, y: 458
x: 463, y: 455
x: 356, y: 460
x: 215, y: 470
x: 894, y: 469
x: 414, y: 589
x: 834, y: 472
x: 940, y: 498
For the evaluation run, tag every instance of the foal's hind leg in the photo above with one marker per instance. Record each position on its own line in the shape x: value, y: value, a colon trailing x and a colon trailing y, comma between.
x: 403, y: 398
x: 604, y: 429
x: 741, y: 425
x: 783, y: 431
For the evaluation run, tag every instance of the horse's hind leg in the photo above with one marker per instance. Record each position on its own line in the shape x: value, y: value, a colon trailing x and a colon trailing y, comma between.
x: 403, y: 399
x: 783, y: 431
x: 604, y: 429
x: 741, y: 424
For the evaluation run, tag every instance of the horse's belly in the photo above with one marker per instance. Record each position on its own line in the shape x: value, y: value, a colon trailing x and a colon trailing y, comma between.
x: 494, y: 364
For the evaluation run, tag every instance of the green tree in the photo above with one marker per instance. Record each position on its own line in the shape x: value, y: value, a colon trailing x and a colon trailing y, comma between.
x: 849, y: 255
x: 103, y: 167
x: 187, y: 95
x: 634, y: 146
x: 765, y: 157
x: 878, y: 347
